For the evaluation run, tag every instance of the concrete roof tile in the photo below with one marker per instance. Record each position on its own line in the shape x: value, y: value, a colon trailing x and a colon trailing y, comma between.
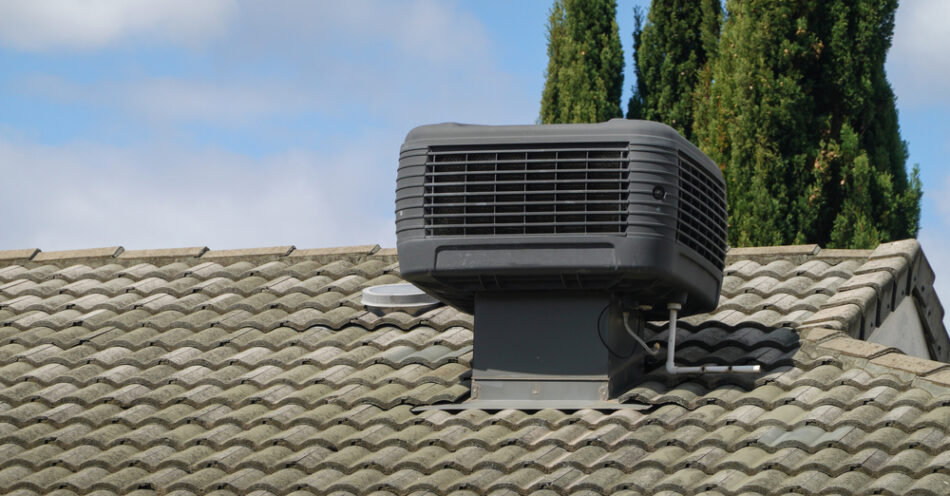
x: 914, y: 365
x: 864, y: 297
x: 275, y: 251
x: 14, y: 256
x: 941, y: 377
x: 833, y: 253
x: 157, y: 255
x: 857, y: 348
x: 363, y: 250
x: 840, y: 317
x: 267, y: 408
x: 909, y: 249
x: 752, y: 252
x: 741, y: 268
x: 894, y: 264
x: 931, y: 483
x: 77, y: 255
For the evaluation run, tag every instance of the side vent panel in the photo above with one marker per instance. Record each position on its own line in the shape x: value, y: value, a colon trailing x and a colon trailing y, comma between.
x: 526, y: 190
x: 702, y: 212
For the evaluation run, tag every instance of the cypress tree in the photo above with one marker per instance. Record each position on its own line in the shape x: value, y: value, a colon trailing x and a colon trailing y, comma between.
x: 671, y: 53
x: 636, y: 107
x: 584, y: 77
x: 864, y: 111
x: 801, y: 118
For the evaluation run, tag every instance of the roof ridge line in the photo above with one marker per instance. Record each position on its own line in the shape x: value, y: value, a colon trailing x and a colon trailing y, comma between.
x: 891, y: 272
x: 795, y: 253
x: 169, y: 255
x: 931, y: 375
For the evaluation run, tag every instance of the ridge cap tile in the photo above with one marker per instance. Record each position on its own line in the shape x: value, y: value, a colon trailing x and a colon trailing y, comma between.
x: 917, y: 366
x: 940, y: 377
x: 819, y: 334
x: 337, y: 250
x: 750, y: 251
x: 70, y: 255
x: 160, y: 253
x: 856, y: 347
x: 893, y: 264
x: 909, y: 249
x: 878, y: 280
x: 862, y: 296
x: 845, y: 317
x: 23, y: 254
x: 279, y: 251
x: 843, y: 253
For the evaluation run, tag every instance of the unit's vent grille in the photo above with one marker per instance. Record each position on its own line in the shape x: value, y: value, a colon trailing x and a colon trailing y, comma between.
x: 702, y: 212
x: 542, y: 189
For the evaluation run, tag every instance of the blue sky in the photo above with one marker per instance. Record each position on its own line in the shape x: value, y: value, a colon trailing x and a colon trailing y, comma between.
x: 229, y: 123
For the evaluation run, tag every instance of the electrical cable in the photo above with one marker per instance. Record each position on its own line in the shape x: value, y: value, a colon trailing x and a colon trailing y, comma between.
x: 655, y: 351
x: 603, y: 342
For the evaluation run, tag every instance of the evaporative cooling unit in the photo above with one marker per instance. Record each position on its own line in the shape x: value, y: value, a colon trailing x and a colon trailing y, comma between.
x: 562, y: 239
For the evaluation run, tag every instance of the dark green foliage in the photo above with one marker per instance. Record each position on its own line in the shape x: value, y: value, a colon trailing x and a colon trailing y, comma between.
x: 800, y: 116
x: 584, y: 78
x: 671, y: 54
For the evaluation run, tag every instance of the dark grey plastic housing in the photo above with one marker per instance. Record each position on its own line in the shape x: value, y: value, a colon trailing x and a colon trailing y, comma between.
x: 625, y: 206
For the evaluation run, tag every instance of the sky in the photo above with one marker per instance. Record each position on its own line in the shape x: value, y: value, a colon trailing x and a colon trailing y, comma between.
x: 232, y: 123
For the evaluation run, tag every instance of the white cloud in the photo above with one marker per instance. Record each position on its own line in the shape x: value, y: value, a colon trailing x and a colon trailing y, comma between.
x: 476, y: 93
x: 340, y: 67
x: 40, y: 25
x: 328, y: 60
x: 82, y: 195
x: 424, y: 29
x: 919, y: 60
x: 224, y: 102
x: 419, y: 29
x: 431, y: 29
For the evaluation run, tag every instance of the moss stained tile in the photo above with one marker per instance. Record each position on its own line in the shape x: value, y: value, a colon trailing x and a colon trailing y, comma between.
x: 242, y: 371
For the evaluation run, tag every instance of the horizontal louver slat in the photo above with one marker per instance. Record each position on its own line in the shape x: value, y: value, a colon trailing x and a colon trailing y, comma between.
x: 527, y: 190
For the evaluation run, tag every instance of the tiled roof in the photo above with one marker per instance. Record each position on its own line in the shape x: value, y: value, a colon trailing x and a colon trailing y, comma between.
x: 258, y: 372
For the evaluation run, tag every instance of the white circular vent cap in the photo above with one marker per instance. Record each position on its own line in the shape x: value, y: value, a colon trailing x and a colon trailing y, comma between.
x: 403, y: 295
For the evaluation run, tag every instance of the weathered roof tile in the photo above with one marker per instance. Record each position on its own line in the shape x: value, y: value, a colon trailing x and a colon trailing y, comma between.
x: 278, y: 251
x: 914, y: 365
x: 78, y: 255
x: 361, y: 250
x: 164, y: 253
x: 14, y: 256
x: 244, y: 371
x: 857, y: 348
x: 752, y: 252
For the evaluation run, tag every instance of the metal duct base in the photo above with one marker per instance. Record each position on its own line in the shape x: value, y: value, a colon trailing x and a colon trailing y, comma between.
x: 543, y: 349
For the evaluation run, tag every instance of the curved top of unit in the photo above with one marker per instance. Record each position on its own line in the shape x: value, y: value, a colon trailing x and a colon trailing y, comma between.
x: 454, y: 133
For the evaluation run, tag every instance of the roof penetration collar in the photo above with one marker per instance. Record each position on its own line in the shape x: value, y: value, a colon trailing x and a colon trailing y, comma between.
x: 402, y: 296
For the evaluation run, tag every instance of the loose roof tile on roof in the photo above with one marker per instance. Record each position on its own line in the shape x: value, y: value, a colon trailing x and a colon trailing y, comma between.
x: 259, y: 372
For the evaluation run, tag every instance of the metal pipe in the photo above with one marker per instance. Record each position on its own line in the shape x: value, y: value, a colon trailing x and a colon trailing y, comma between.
x: 673, y: 369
